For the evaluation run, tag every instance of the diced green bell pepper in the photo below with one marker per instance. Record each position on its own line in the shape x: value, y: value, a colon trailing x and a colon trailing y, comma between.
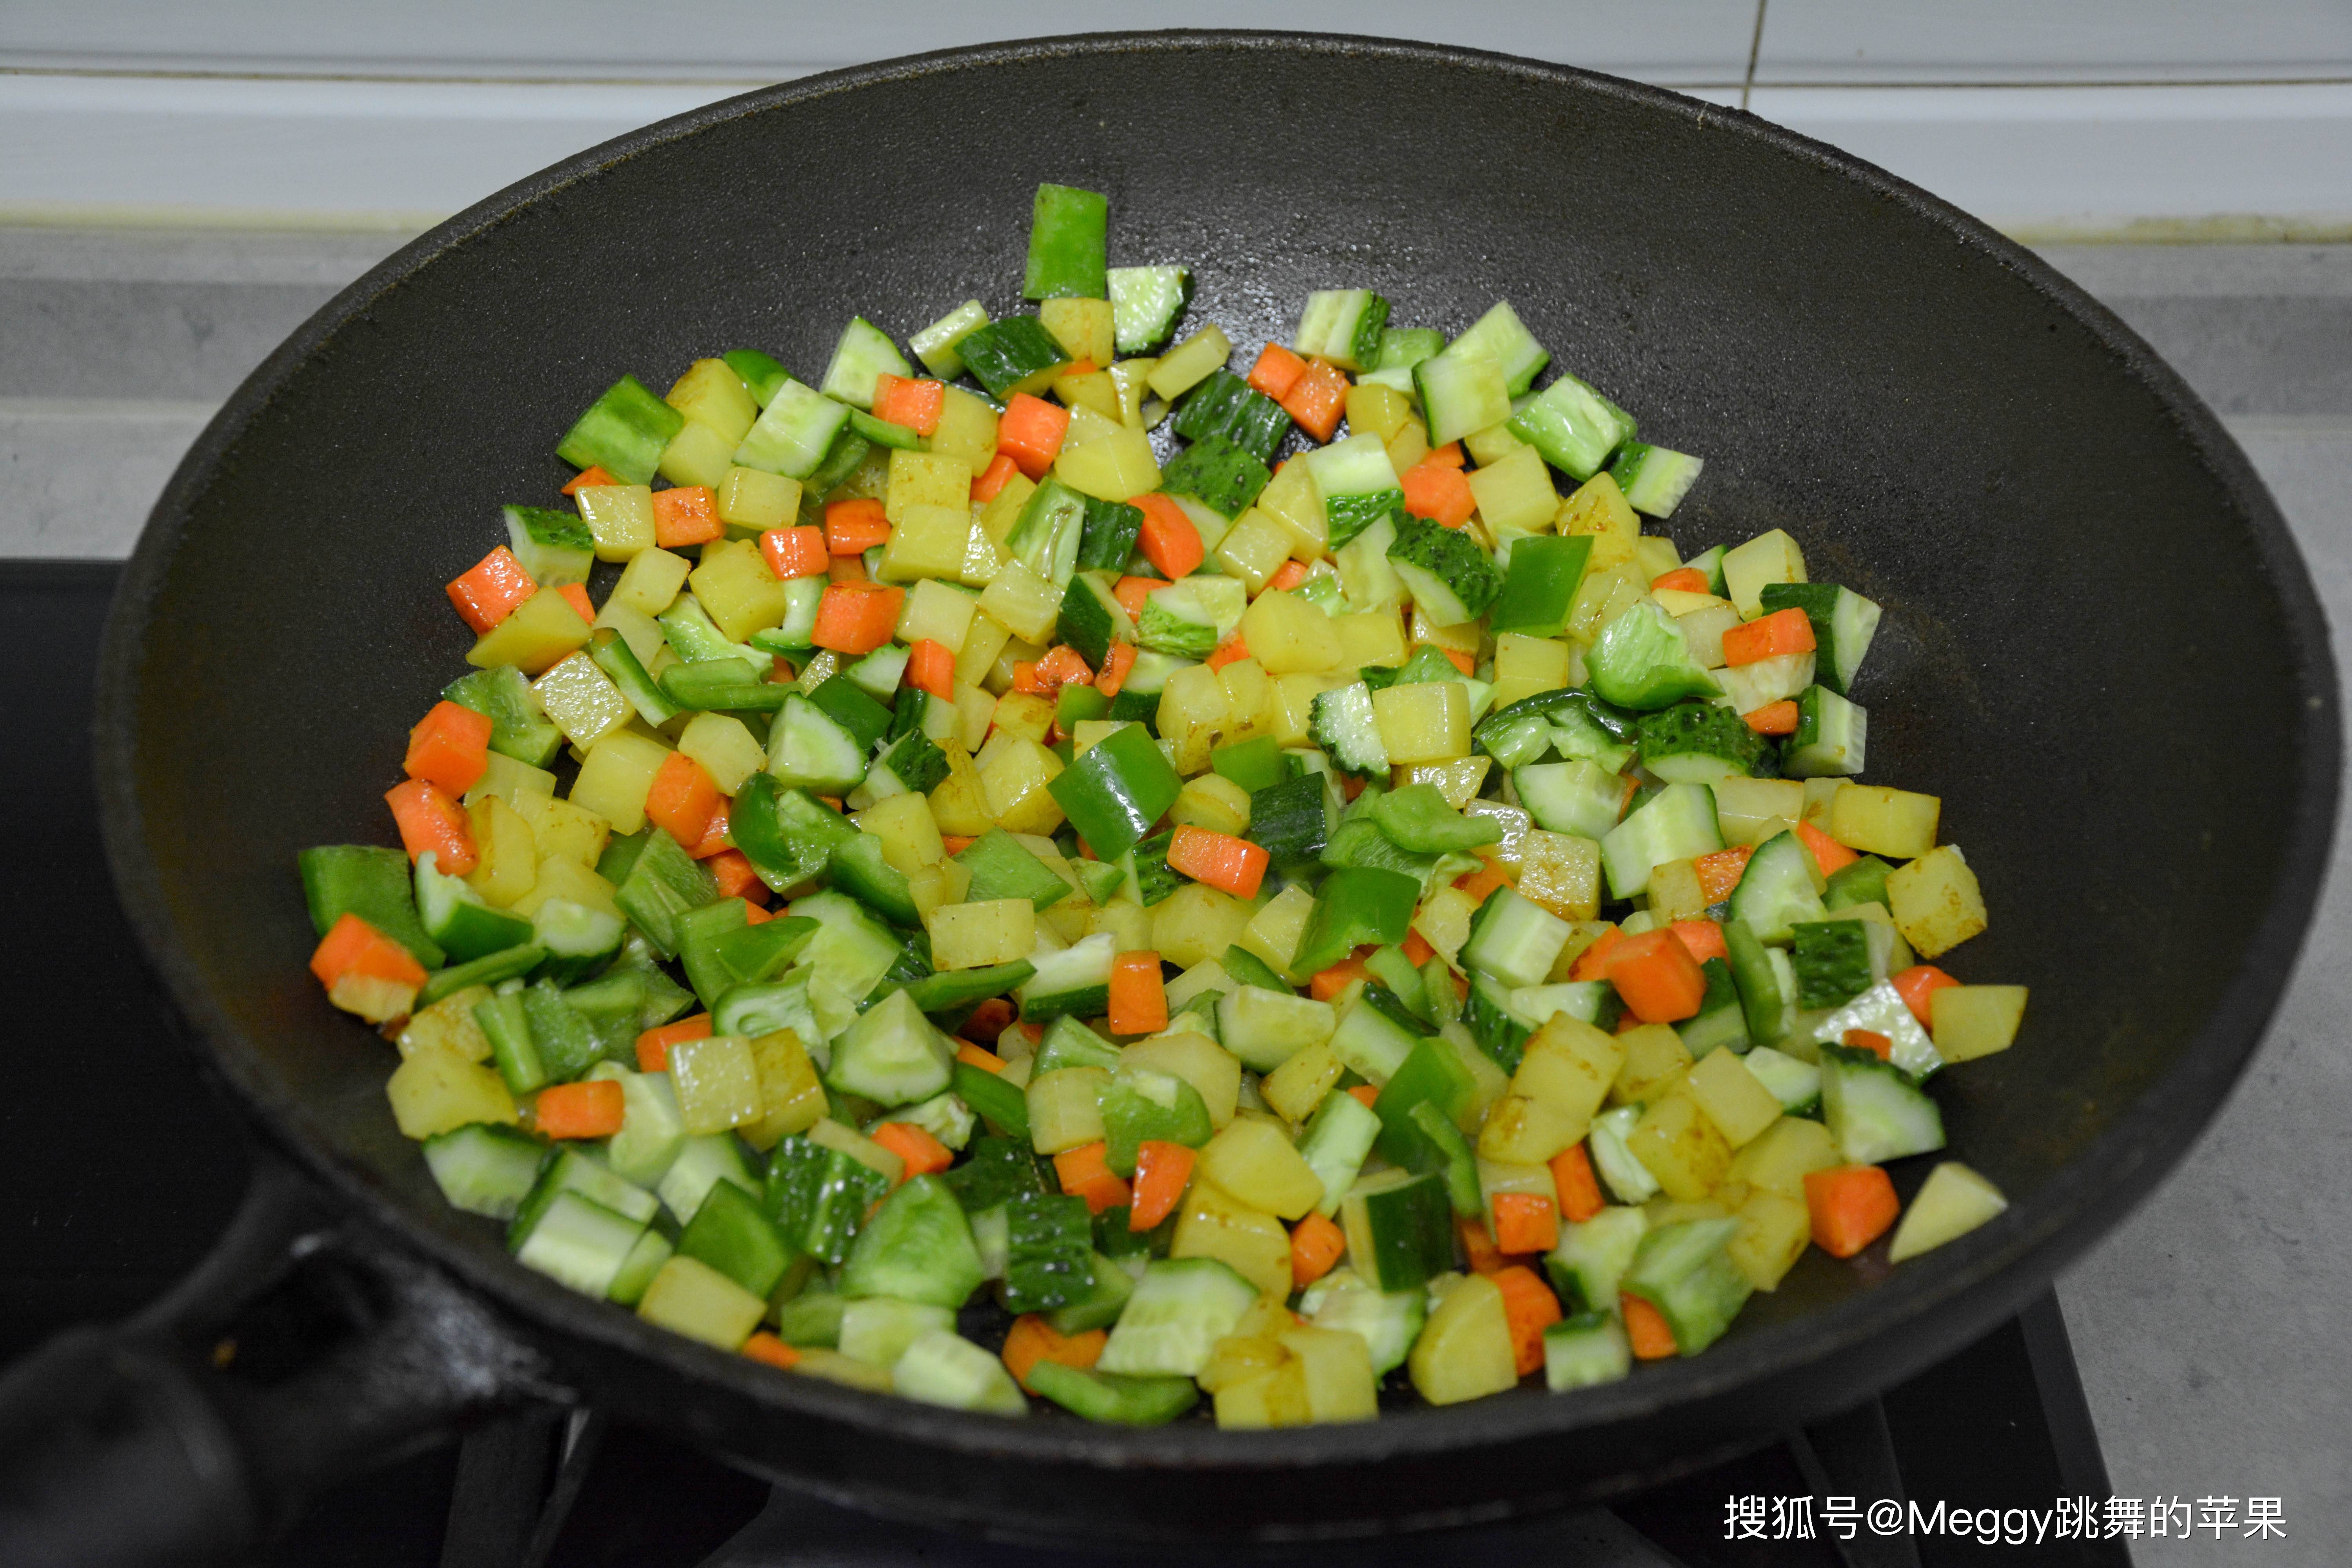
x: 1117, y: 790
x: 1356, y: 905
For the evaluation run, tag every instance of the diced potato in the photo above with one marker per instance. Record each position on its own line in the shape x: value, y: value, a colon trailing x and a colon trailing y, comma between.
x: 1427, y: 722
x: 1082, y: 327
x: 1606, y: 593
x: 1703, y: 628
x: 542, y: 629
x: 620, y: 518
x: 1408, y: 447
x: 1197, y: 922
x: 510, y: 780
x: 966, y: 430
x: 982, y: 644
x: 1655, y: 1057
x: 1216, y: 1224
x: 1561, y: 871
x: 1296, y: 1087
x: 1374, y: 637
x: 1066, y: 1109
x: 1274, y: 931
x: 1249, y: 699
x: 1443, y: 921
x: 1292, y: 706
x: 1599, y: 508
x: 1747, y: 808
x: 791, y: 1099
x: 1244, y: 1357
x: 1127, y: 376
x: 582, y: 701
x: 1199, y: 1061
x: 1458, y: 781
x: 697, y: 455
x: 434, y: 1093
x: 725, y: 747
x: 1936, y: 902
x: 748, y: 498
x: 1877, y: 820
x: 938, y: 613
x: 1256, y: 1164
x: 972, y: 936
x: 1015, y: 788
x: 448, y: 1027
x: 1768, y: 558
x: 506, y: 850
x: 1027, y: 605
x: 652, y: 579
x: 926, y: 540
x: 1540, y: 659
x: 1189, y: 363
x: 1952, y: 1202
x: 1253, y: 548
x: 910, y: 835
x: 733, y: 583
x: 1128, y: 924
x: 1094, y: 392
x: 927, y: 479
x: 1466, y: 637
x: 1192, y: 712
x: 1336, y: 1366
x: 959, y: 804
x: 1774, y: 1229
x: 570, y: 880
x: 711, y: 394
x: 1464, y: 1349
x: 1676, y: 1143
x: 1676, y: 893
x: 615, y: 778
x: 717, y: 1083
x: 1381, y: 410
x: 1213, y: 802
x: 1273, y: 1398
x: 1739, y: 1106
x: 1784, y: 1155
x: 1287, y: 636
x: 1565, y: 1070
x: 1118, y: 466
x: 1517, y: 493
x: 689, y: 1297
x: 1972, y: 1021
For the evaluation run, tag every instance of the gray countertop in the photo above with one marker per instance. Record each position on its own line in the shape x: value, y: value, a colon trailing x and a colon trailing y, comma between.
x: 2208, y: 1327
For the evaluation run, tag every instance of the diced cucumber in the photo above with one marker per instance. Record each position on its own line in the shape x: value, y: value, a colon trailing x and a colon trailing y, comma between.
x: 730, y: 1233
x: 1684, y: 1271
x: 1074, y: 980
x: 1573, y: 426
x: 1513, y: 939
x: 488, y: 1170
x: 1452, y: 580
x: 1592, y: 1002
x: 1767, y: 982
x: 1180, y: 1307
x: 937, y: 346
x: 1265, y: 1028
x: 819, y: 1196
x: 457, y: 918
x: 1145, y: 302
x: 1721, y: 1022
x: 519, y: 728
x: 1778, y: 890
x: 637, y: 1271
x: 863, y: 352
x: 1338, y: 1140
x: 1221, y: 476
x: 891, y: 1055
x: 1105, y: 1297
x: 1627, y: 1178
x: 702, y: 1161
x: 554, y: 547
x: 577, y: 1242
x: 1592, y: 1255
x: 1882, y: 1012
x: 1796, y: 1085
x: 1047, y: 535
x: 1371, y: 1041
x: 1655, y: 478
x: 1387, y: 1321
x: 1829, y: 739
x: 941, y: 1368
x: 1678, y: 823
x: 917, y: 1247
x: 1501, y: 334
x: 1400, y: 1230
x: 1874, y: 1108
x: 1578, y: 797
x: 1585, y: 1349
x: 1225, y: 404
x: 1342, y: 325
x: 852, y: 950
x: 1844, y: 624
x: 1837, y: 961
x: 1111, y: 1398
x: 1345, y: 726
x: 794, y: 432
x: 1701, y: 743
x: 1015, y: 354
x: 809, y: 749
x: 652, y: 1132
x: 1462, y: 390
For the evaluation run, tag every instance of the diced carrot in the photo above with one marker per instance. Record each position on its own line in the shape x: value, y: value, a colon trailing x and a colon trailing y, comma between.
x: 1458, y: 659
x: 925, y: 1155
x: 351, y: 946
x: 576, y: 595
x: 1682, y: 580
x: 652, y: 1046
x: 991, y: 480
x: 781, y: 671
x: 1478, y: 1245
x: 1316, y: 1243
x: 1830, y: 854
x: 1702, y: 938
x: 1277, y: 370
x: 957, y: 843
x: 769, y: 1350
x: 429, y: 817
x: 590, y: 1108
x: 753, y: 915
x: 1529, y: 1308
x: 593, y: 474
x: 682, y: 798
x: 1232, y: 652
x: 856, y: 618
x: 1043, y: 676
x: 1646, y: 1330
x: 1779, y: 718
x: 930, y: 666
x: 915, y: 403
x: 1139, y: 998
x: 1869, y: 1040
x: 736, y: 878
x: 992, y: 1018
x: 1329, y: 982
x: 1033, y: 1340
x: 1449, y: 455
x: 1774, y: 636
x: 1720, y: 872
x: 980, y: 1057
x: 1287, y: 577
x: 846, y: 570
x: 1317, y: 399
x: 1167, y: 538
x: 1917, y: 986
x: 1030, y: 432
x: 1228, y: 864
x: 1078, y: 367
x: 1082, y: 1171
x: 796, y: 552
x: 1163, y: 1171
x: 1592, y: 964
x: 1417, y: 950
x: 685, y: 514
x: 1852, y: 1205
x: 1526, y: 1222
x: 1132, y: 591
x: 715, y: 839
x: 1440, y: 494
x: 489, y: 592
x: 1572, y: 1180
x: 1366, y: 1093
x: 855, y: 526
x: 1657, y: 976
x: 1481, y: 884
x: 1117, y: 662
x: 450, y: 746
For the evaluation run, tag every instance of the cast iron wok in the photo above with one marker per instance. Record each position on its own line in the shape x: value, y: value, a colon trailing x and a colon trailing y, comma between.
x: 2101, y: 650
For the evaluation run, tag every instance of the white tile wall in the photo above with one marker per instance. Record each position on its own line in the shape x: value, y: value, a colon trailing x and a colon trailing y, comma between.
x: 1874, y: 42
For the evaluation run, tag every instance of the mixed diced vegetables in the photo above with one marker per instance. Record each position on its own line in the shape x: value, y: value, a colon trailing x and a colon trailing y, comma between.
x: 1268, y: 909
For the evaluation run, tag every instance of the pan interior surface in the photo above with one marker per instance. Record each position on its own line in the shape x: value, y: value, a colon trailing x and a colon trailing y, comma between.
x: 2097, y: 648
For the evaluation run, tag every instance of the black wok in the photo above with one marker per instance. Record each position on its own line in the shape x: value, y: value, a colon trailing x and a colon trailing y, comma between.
x: 2101, y: 648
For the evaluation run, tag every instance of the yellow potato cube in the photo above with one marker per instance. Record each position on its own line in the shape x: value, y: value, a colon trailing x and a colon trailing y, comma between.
x: 1023, y: 714
x: 938, y: 612
x: 1066, y: 1109
x: 1197, y: 922
x: 926, y: 540
x: 1197, y: 1060
x: 1029, y: 605
x: 1111, y: 465
x: 1374, y: 637
x: 1563, y: 872
x: 911, y: 837
x: 689, y: 1297
x: 1381, y: 410
x: 1291, y: 707
x: 507, y: 853
x: 725, y: 747
x: 1249, y: 699
x: 1015, y: 788
x: 1876, y: 820
x: 1676, y: 893
x: 1564, y: 1074
x: 1740, y: 1106
x: 1189, y: 363
x: 542, y: 629
x: 998, y: 517
x: 582, y: 701
x: 1458, y: 781
x: 982, y: 642
x: 1606, y: 593
x: 966, y: 430
x: 1426, y: 722
x: 1516, y: 493
x: 1336, y: 1367
x: 1655, y: 1057
x: 570, y: 880
x: 927, y: 479
x: 791, y: 1099
x: 1192, y: 712
x: 733, y: 583
x: 1296, y: 1087
x: 1274, y: 931
x: 1443, y: 921
x: 1780, y: 1158
x: 959, y: 804
x: 1464, y: 1350
x: 711, y: 394
x: 1752, y: 810
x: 1408, y: 447
x: 974, y: 936
x: 1676, y: 1143
x: 1936, y: 902
x: 1094, y: 392
x: 1213, y: 802
x: 749, y: 498
x: 1972, y: 1021
x: 697, y: 455
x: 1291, y: 501
x: 1216, y: 1224
x: 1253, y: 548
x: 1774, y: 1229
x: 434, y: 1093
x: 652, y: 579
x: 1287, y: 636
x: 1544, y: 660
x: 1596, y: 507
x: 620, y: 518
x: 1082, y: 327
x: 615, y: 778
x: 448, y: 1027
x: 717, y: 1083
x: 1766, y: 559
x: 1255, y: 1162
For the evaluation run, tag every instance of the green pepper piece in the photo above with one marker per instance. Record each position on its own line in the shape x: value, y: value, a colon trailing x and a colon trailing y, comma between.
x: 374, y: 883
x: 1002, y: 1105
x: 513, y: 1051
x: 1540, y: 585
x: 730, y: 1234
x: 1140, y: 1106
x: 1248, y: 969
x: 514, y: 963
x: 1430, y: 1073
x: 760, y: 374
x: 1112, y: 1397
x: 619, y: 661
x: 1114, y: 793
x: 786, y: 835
x: 1417, y: 817
x: 722, y: 686
x: 1069, y: 245
x: 1355, y: 906
x: 1255, y: 764
x: 663, y: 883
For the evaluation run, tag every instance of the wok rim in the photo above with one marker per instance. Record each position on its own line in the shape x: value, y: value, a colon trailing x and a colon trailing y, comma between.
x: 1975, y: 1281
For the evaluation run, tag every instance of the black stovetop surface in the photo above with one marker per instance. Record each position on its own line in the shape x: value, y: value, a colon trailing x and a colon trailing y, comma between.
x: 99, y: 1225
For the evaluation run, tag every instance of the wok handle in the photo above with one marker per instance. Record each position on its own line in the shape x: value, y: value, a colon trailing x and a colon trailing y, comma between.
x: 305, y: 1348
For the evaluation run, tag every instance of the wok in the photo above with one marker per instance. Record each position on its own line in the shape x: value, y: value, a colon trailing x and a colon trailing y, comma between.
x: 2101, y: 650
